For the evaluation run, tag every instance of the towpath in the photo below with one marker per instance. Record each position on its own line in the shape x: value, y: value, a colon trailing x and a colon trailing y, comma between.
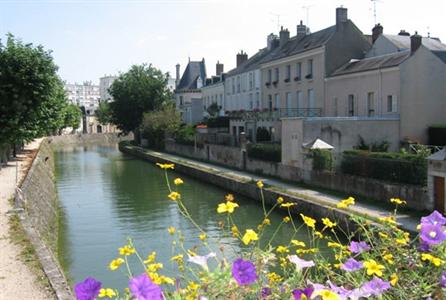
x: 17, y: 281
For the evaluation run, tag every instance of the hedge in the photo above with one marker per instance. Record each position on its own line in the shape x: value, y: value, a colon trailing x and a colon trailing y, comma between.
x: 395, y: 167
x: 268, y: 152
x: 437, y: 135
x: 218, y: 122
x: 322, y: 159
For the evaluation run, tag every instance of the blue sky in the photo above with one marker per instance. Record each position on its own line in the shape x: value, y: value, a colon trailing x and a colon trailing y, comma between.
x: 92, y: 38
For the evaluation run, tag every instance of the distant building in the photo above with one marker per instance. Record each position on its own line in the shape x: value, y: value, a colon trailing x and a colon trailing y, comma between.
x: 188, y: 98
x: 213, y: 91
x: 104, y: 84
x: 86, y: 95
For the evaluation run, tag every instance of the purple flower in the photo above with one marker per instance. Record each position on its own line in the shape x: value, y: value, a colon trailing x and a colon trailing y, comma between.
x: 358, y: 247
x: 375, y: 287
x: 266, y: 291
x: 300, y: 263
x: 144, y: 289
x: 443, y: 279
x: 424, y: 247
x: 87, y: 289
x: 307, y: 292
x: 434, y: 218
x: 352, y: 265
x: 202, y: 260
x: 432, y: 234
x: 244, y: 271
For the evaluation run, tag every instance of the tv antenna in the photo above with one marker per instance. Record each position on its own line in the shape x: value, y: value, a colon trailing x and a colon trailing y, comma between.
x: 374, y: 10
x: 276, y: 17
x: 307, y: 12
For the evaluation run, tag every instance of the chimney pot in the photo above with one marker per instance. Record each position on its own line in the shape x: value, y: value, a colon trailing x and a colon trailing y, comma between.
x: 415, y: 42
x: 241, y: 58
x: 341, y: 15
x: 302, y: 30
x: 284, y: 36
x: 219, y: 68
x: 404, y: 33
x: 376, y: 32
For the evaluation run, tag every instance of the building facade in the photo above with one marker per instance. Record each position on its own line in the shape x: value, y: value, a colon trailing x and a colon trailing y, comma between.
x: 86, y: 94
x: 104, y: 84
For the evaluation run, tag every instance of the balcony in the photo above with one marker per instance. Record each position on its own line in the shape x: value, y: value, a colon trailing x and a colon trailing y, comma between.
x: 276, y: 114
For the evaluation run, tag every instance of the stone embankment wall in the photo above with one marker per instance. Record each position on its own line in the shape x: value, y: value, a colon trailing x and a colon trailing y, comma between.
x: 417, y: 197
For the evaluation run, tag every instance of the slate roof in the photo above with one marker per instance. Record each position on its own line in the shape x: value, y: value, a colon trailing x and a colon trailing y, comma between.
x: 193, y: 70
x: 252, y: 63
x: 441, y: 55
x: 373, y: 63
x: 402, y: 42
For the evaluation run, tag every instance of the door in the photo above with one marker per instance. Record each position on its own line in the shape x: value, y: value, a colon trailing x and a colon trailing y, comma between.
x: 439, y: 199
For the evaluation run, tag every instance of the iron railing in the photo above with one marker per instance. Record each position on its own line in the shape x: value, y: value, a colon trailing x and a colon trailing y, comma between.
x: 276, y: 114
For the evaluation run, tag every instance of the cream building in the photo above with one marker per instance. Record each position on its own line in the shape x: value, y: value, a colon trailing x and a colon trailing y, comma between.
x: 214, y: 90
x: 86, y: 94
x: 104, y: 84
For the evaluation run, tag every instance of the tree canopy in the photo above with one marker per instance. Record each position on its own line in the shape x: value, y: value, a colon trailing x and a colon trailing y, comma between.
x: 32, y: 97
x: 103, y: 113
x: 142, y: 89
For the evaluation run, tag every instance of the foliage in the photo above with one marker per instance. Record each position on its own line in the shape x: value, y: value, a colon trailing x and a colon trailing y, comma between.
x: 213, y: 109
x: 395, y: 167
x: 322, y: 159
x: 263, y: 135
x: 142, y: 89
x: 437, y: 135
x: 268, y: 152
x: 32, y: 97
x: 370, y: 261
x: 185, y: 135
x: 218, y: 122
x: 72, y: 116
x: 157, y: 124
x: 382, y: 146
x: 103, y: 113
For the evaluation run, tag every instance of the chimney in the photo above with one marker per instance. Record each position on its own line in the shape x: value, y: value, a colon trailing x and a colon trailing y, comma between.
x: 415, y: 42
x: 284, y: 36
x: 241, y: 58
x: 341, y: 16
x: 376, y: 32
x: 218, y: 68
x: 404, y: 33
x: 177, y: 79
x: 301, y: 29
x: 271, y: 41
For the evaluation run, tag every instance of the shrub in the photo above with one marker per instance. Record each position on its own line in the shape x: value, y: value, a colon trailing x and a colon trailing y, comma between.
x: 322, y: 159
x: 218, y: 122
x: 185, y: 135
x: 437, y: 135
x: 268, y: 152
x: 382, y: 146
x: 263, y: 135
x: 395, y: 167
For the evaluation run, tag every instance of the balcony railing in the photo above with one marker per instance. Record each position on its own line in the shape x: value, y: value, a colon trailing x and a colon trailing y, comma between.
x: 276, y: 114
x: 300, y: 112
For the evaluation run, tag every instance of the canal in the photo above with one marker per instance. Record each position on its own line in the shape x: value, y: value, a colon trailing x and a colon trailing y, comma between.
x: 107, y: 197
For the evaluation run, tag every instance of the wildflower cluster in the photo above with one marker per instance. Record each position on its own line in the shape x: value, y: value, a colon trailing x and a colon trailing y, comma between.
x: 370, y: 261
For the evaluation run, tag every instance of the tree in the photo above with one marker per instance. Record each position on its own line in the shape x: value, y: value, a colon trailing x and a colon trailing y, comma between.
x: 32, y: 97
x: 72, y: 116
x: 104, y: 113
x: 157, y: 124
x: 142, y: 89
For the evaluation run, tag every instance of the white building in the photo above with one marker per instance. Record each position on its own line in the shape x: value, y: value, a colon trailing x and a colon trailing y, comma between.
x: 104, y: 84
x: 86, y: 94
x: 214, y: 90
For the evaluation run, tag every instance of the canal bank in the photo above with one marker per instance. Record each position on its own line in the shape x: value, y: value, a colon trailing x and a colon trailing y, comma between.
x: 310, y: 202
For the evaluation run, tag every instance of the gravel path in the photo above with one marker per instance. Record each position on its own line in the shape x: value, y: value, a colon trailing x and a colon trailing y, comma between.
x: 17, y: 281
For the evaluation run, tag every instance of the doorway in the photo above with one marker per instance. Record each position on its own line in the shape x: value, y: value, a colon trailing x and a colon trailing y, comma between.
x: 439, y: 199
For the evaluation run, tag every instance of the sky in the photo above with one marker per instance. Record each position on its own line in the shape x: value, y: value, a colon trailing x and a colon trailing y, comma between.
x: 93, y: 38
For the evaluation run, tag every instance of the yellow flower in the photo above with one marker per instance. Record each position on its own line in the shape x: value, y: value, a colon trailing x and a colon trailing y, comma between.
x: 389, y: 258
x: 280, y: 200
x: 227, y: 207
x: 151, y: 258
x: 374, y: 268
x: 155, y: 277
x: 116, y: 263
x: 177, y: 258
x: 383, y: 235
x: 266, y: 221
x: 127, y: 250
x: 310, y: 222
x: 171, y: 230
x: 229, y: 197
x: 334, y: 245
x: 174, y: 196
x: 178, y: 181
x: 165, y: 166
x: 273, y: 278
x: 154, y: 267
x: 346, y: 202
x: 393, y: 279
x: 106, y: 293
x: 398, y: 201
x: 202, y: 236
x: 325, y: 295
x: 298, y: 243
x: 282, y: 249
x: 235, y: 232
x: 318, y: 234
x: 287, y: 205
x: 307, y: 251
x: 434, y: 260
x: 328, y: 223
x: 260, y: 184
x: 389, y: 219
x: 250, y: 235
x: 401, y: 241
x: 286, y: 219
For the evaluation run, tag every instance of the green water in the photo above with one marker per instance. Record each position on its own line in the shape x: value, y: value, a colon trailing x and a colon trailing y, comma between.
x: 107, y: 196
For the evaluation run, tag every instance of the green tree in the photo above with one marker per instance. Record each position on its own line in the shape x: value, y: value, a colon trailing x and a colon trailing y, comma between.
x: 32, y: 97
x: 72, y: 116
x: 157, y: 124
x: 142, y: 89
x: 104, y: 113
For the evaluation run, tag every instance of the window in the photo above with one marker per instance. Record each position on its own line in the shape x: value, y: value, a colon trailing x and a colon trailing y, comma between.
x: 311, y: 103
x: 371, y: 104
x: 277, y: 101
x: 335, y: 106
x: 233, y: 85
x: 181, y: 100
x: 298, y: 72
x: 238, y: 84
x: 351, y: 105
x: 257, y: 100
x: 270, y: 76
x: 288, y: 100
x: 270, y: 102
x: 391, y: 104
x: 288, y: 73
x: 309, y: 69
x: 277, y: 75
x: 251, y: 85
x: 251, y: 104
x: 300, y: 100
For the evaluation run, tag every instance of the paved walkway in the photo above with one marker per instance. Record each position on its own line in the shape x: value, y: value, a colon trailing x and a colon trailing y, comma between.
x: 17, y: 281
x: 407, y: 220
